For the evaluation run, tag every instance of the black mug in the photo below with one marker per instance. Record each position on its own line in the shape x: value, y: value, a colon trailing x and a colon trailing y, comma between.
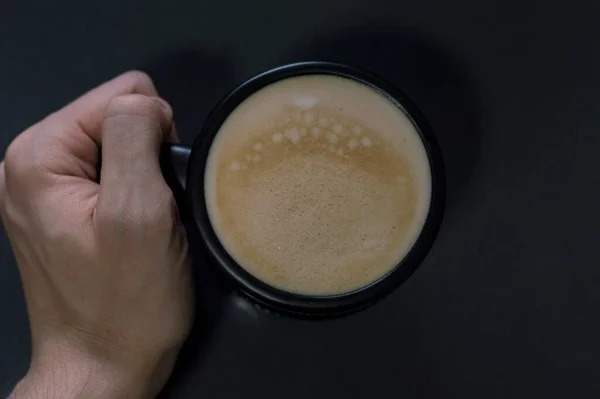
x: 184, y: 170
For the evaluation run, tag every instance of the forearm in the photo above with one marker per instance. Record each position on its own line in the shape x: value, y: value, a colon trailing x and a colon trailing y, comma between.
x: 73, y: 375
x: 70, y: 383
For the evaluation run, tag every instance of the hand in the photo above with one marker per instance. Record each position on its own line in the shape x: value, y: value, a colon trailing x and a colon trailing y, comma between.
x: 105, y: 267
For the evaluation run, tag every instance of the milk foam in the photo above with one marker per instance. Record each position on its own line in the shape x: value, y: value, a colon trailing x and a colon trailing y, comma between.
x: 317, y: 185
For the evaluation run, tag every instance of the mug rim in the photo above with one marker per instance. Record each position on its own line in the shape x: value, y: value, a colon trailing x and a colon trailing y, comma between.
x: 303, y: 304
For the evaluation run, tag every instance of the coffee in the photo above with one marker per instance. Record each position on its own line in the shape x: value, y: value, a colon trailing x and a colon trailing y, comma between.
x: 317, y: 185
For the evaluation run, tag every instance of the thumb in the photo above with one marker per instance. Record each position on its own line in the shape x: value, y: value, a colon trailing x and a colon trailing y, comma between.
x: 133, y: 130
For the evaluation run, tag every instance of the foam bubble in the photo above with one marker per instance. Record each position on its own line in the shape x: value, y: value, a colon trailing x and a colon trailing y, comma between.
x: 338, y: 128
x: 323, y: 121
x: 256, y: 158
x: 365, y: 141
x: 357, y: 130
x: 258, y: 147
x: 305, y: 102
x: 352, y: 144
x: 235, y: 165
x: 332, y: 138
x: 315, y: 131
x: 303, y: 132
x: 340, y: 152
x: 277, y: 138
x: 292, y: 135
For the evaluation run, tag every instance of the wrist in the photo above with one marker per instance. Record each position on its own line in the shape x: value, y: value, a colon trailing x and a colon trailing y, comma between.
x: 66, y: 373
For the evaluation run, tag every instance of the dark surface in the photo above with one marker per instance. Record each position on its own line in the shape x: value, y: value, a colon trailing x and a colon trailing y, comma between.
x: 506, y: 305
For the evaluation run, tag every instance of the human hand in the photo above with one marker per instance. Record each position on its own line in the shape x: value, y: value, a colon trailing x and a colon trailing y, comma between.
x: 105, y: 267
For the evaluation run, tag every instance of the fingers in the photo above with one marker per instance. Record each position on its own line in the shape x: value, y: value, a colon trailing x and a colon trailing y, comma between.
x: 133, y: 130
x: 88, y: 110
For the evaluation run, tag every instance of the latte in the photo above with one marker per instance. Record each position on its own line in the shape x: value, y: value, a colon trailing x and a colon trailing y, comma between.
x: 317, y: 185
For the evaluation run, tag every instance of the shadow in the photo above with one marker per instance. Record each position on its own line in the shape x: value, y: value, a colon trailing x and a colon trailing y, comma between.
x: 401, y: 341
x: 384, y: 349
x: 211, y: 297
x: 431, y: 77
x: 193, y: 82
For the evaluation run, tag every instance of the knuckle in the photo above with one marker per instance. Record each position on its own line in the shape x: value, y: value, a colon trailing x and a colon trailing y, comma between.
x: 137, y: 105
x: 145, y: 217
x: 17, y: 158
x: 140, y: 79
x: 27, y: 156
x: 131, y: 104
x: 13, y: 154
x: 163, y: 215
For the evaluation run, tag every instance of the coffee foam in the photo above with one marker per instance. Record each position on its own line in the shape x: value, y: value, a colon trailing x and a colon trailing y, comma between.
x: 317, y: 185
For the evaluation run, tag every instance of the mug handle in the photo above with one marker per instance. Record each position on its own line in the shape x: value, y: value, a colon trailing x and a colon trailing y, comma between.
x: 174, y: 159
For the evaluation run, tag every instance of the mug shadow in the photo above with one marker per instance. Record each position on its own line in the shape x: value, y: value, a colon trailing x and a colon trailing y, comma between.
x: 429, y: 75
x: 193, y: 81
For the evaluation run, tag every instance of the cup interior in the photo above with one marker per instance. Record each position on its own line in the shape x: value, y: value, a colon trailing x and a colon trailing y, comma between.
x: 301, y: 304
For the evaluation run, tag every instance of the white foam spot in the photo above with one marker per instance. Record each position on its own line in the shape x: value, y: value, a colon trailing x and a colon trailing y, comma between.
x: 323, y: 121
x: 352, y: 144
x: 235, y: 165
x: 303, y: 132
x: 357, y: 130
x: 248, y: 157
x: 256, y: 158
x: 258, y: 147
x: 292, y: 135
x: 305, y: 102
x: 315, y: 131
x: 277, y: 138
x: 338, y: 128
x: 332, y: 138
x: 365, y: 141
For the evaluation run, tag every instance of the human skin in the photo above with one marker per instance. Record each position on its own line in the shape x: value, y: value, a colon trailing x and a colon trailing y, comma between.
x: 104, y: 266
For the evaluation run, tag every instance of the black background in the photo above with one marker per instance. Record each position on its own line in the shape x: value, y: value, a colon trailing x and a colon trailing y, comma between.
x: 506, y: 304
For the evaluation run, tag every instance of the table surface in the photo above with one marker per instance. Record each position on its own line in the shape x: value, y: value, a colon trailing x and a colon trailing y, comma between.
x: 505, y: 305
